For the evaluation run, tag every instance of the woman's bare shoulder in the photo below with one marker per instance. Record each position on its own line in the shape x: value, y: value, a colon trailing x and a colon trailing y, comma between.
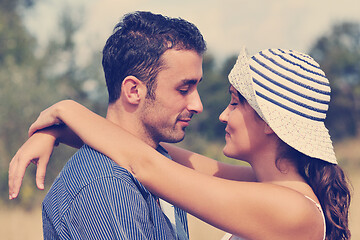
x: 282, y: 212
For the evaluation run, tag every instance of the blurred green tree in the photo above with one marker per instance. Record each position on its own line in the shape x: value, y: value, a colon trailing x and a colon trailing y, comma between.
x: 29, y: 83
x: 338, y: 53
x: 17, y: 67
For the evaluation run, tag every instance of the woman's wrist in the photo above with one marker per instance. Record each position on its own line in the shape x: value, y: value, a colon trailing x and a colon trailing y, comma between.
x: 61, y: 110
x: 65, y: 112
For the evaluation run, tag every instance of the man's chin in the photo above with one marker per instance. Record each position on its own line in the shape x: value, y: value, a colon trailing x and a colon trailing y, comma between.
x: 175, y: 138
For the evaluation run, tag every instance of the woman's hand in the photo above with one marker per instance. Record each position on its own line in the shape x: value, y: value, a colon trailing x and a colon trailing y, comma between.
x: 47, y: 118
x: 43, y: 134
x: 37, y: 149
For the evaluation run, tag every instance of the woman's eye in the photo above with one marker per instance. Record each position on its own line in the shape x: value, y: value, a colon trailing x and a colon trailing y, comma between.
x: 234, y: 104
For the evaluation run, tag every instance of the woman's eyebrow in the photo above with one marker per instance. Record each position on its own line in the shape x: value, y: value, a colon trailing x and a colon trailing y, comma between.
x: 232, y: 91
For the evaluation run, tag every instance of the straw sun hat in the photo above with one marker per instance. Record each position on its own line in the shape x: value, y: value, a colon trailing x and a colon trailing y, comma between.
x: 291, y: 94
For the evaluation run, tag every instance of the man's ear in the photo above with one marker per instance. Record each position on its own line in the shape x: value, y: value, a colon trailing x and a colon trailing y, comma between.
x: 267, y: 129
x: 133, y: 89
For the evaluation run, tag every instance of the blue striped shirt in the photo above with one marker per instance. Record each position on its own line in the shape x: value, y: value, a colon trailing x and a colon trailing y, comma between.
x: 94, y: 198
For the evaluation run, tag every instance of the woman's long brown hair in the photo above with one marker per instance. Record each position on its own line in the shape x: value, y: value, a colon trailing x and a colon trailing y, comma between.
x: 331, y: 187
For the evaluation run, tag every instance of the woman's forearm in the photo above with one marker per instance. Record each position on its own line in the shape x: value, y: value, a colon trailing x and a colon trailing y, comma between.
x: 89, y: 127
x: 108, y: 138
x: 66, y: 136
x: 98, y: 132
x: 208, y: 165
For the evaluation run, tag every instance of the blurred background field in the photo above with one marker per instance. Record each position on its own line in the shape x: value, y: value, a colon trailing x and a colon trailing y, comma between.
x: 51, y: 50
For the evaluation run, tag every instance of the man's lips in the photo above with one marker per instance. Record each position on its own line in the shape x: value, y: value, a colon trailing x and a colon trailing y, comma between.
x: 184, y: 121
x: 185, y: 117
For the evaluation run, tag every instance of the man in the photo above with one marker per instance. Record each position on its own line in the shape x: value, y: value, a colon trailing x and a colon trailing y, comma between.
x: 152, y: 67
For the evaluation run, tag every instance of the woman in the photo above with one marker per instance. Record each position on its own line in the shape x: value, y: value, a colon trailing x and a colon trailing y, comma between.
x: 275, y: 122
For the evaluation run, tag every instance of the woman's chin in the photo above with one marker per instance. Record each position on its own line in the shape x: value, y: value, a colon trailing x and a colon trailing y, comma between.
x: 227, y: 153
x: 234, y: 154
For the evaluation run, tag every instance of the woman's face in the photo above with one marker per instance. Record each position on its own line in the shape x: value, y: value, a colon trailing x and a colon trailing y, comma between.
x: 244, y: 130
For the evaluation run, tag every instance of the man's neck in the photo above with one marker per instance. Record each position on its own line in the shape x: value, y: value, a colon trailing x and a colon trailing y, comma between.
x: 130, y: 123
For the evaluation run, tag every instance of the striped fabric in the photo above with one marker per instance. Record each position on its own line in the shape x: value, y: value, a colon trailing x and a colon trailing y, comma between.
x: 94, y: 198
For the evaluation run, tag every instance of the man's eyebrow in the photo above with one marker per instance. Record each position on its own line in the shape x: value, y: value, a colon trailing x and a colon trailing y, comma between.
x: 190, y: 81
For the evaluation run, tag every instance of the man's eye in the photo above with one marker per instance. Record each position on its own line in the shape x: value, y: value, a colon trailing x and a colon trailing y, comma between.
x: 183, y: 91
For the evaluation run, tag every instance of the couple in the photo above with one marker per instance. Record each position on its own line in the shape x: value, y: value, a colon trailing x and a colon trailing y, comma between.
x: 111, y: 188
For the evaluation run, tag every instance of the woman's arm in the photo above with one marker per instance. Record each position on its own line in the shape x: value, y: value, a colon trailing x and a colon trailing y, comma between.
x: 252, y: 210
x: 38, y: 149
x: 208, y: 165
x: 66, y: 136
x: 64, y: 112
x: 49, y: 130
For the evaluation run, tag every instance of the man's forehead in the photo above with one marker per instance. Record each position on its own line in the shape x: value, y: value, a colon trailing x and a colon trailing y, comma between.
x: 172, y: 54
x: 184, y: 66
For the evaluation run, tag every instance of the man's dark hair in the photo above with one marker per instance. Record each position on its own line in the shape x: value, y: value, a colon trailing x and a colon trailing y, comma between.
x: 137, y: 44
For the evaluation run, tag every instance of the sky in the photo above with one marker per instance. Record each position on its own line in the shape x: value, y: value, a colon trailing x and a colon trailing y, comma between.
x: 227, y: 25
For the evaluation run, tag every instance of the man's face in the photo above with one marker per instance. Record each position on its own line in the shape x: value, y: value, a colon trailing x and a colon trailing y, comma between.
x: 176, y: 97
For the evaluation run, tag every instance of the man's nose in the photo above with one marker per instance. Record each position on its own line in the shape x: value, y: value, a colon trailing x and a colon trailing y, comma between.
x: 195, y: 104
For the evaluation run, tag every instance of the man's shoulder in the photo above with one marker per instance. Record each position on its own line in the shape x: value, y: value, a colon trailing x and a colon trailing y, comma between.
x: 87, y: 191
x: 89, y: 175
x: 94, y: 164
x: 88, y: 166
